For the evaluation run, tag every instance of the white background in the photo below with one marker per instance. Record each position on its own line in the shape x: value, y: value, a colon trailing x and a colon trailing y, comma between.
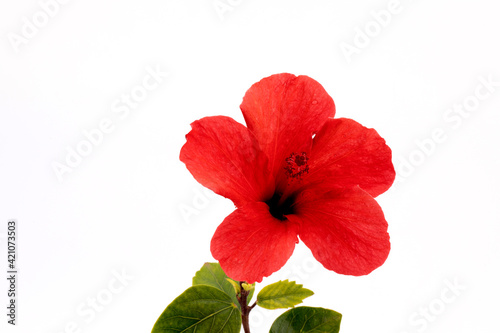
x: 119, y: 209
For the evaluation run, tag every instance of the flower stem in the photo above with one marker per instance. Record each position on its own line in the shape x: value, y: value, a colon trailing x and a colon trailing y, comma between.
x: 245, y: 309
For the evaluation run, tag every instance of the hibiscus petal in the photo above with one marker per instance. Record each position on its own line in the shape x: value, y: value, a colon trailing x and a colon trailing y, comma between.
x: 344, y: 228
x: 283, y: 112
x: 251, y: 244
x: 222, y: 155
x: 346, y: 154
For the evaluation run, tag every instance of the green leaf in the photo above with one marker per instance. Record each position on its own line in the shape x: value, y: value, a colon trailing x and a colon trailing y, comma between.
x: 282, y: 295
x: 211, y: 274
x: 250, y: 294
x: 236, y: 286
x: 305, y: 319
x: 200, y: 309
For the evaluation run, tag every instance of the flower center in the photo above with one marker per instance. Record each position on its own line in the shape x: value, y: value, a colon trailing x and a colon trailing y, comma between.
x: 281, y: 204
x: 279, y: 209
x: 296, y: 165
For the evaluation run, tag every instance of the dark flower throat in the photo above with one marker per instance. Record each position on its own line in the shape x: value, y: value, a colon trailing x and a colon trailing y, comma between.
x: 279, y: 210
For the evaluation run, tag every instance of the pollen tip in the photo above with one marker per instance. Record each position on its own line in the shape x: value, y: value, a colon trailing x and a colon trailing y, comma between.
x: 296, y: 165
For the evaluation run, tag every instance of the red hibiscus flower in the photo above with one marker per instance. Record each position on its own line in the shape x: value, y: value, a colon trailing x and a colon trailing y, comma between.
x: 293, y: 172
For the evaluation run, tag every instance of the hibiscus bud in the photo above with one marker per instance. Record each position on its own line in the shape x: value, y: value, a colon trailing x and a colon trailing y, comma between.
x: 247, y: 286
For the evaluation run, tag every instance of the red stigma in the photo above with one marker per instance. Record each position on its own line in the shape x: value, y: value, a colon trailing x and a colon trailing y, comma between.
x: 296, y: 165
